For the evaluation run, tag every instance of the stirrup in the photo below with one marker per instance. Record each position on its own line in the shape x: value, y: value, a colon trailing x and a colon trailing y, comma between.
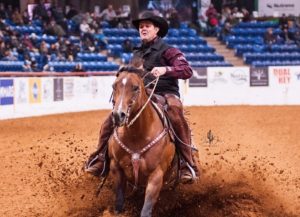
x: 188, y: 178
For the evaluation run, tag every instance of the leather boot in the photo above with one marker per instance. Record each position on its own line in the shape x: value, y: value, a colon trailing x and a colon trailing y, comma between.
x: 188, y: 170
x: 97, y: 161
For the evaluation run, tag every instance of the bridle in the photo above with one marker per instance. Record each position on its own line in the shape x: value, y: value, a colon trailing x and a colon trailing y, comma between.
x: 133, y: 100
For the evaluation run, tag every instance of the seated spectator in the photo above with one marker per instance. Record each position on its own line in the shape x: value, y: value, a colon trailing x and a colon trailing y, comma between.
x: 226, y: 30
x: 101, y: 39
x: 109, y: 15
x: 54, y: 29
x: 40, y: 12
x: 269, y: 37
x: 127, y: 46
x: 246, y: 15
x: 286, y: 36
x: 8, y: 56
x: 34, y: 66
x: 25, y: 17
x: 27, y: 66
x: 283, y: 21
x: 17, y: 18
x: 173, y: 18
x: 71, y: 12
x: 85, y: 30
x: 78, y: 68
x: 297, y: 38
x: 123, y: 16
x: 3, y: 13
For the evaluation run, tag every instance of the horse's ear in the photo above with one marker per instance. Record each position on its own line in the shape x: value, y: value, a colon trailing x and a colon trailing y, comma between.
x: 137, y: 62
x: 121, y: 69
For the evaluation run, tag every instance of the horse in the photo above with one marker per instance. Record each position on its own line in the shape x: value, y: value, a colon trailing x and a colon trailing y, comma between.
x: 141, y: 150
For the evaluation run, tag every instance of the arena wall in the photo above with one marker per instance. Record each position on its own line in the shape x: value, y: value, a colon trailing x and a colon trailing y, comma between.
x: 33, y: 96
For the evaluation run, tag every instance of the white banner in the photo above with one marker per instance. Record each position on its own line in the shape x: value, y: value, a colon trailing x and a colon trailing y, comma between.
x: 278, y: 7
x: 25, y: 97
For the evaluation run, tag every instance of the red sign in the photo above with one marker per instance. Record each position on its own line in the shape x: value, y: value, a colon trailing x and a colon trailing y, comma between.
x: 283, y: 75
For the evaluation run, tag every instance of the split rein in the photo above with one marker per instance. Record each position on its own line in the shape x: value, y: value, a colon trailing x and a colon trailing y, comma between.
x: 155, y: 81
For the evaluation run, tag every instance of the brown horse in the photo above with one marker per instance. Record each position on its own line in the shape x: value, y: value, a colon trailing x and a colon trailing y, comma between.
x: 140, y: 149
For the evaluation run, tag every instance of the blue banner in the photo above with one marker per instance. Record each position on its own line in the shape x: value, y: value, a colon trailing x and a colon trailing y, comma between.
x: 7, y: 92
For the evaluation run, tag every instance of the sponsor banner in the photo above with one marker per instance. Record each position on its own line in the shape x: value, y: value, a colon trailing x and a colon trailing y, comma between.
x: 6, y: 91
x: 281, y: 75
x: 228, y: 76
x: 259, y: 77
x: 21, y: 90
x: 35, y: 90
x: 199, y: 78
x: 58, y: 89
x: 69, y: 86
x: 47, y: 89
x: 278, y: 7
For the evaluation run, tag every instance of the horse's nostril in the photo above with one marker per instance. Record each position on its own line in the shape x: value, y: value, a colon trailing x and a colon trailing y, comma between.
x: 122, y: 115
x: 119, y: 117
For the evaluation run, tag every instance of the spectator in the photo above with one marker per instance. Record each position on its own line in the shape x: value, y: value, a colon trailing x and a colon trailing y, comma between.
x: 173, y: 18
x: 85, y: 30
x: 101, y: 39
x: 211, y: 12
x: 246, y: 15
x: 212, y: 20
x: 27, y: 66
x: 78, y: 68
x: 286, y: 36
x: 40, y: 11
x: 3, y: 13
x: 226, y: 30
x: 127, y: 45
x: 269, y: 37
x: 8, y: 56
x: 283, y: 21
x: 71, y: 13
x: 17, y: 18
x: 297, y: 38
x: 34, y: 66
x: 25, y: 17
x: 123, y: 16
x: 109, y: 15
x: 54, y: 29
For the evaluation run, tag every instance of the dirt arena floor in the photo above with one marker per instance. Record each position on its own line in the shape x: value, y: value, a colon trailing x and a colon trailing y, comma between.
x: 249, y: 159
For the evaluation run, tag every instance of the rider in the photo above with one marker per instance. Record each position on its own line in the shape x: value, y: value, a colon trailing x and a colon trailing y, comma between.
x: 170, y: 64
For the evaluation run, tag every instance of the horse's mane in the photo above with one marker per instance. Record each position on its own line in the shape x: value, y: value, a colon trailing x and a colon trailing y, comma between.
x: 135, y: 66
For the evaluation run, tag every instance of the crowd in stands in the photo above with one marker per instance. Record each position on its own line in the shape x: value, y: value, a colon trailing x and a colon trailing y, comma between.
x: 53, y: 35
x: 222, y: 24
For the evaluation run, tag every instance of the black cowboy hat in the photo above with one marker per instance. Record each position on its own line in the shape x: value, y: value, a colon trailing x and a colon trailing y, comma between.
x: 158, y: 21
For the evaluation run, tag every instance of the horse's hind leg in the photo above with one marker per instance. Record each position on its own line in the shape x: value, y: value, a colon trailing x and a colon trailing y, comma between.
x: 153, y: 188
x: 120, y: 186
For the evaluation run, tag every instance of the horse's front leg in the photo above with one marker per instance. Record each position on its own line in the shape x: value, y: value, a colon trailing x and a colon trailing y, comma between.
x: 155, y: 182
x: 119, y: 184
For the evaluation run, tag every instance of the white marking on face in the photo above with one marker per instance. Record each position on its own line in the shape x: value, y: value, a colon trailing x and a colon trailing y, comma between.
x: 124, y: 81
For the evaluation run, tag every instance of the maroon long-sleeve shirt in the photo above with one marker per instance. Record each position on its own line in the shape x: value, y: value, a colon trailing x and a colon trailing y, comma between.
x: 177, y: 65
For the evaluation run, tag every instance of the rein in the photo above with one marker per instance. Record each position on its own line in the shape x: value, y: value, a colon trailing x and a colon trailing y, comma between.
x: 144, y: 106
x: 136, y: 155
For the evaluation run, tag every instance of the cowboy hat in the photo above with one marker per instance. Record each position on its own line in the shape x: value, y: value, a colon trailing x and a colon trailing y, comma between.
x: 158, y: 21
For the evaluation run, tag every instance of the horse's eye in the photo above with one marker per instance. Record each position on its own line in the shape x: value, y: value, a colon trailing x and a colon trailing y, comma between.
x: 135, y: 88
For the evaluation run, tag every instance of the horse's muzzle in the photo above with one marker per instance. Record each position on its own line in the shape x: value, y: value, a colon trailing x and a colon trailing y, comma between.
x: 119, y: 118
